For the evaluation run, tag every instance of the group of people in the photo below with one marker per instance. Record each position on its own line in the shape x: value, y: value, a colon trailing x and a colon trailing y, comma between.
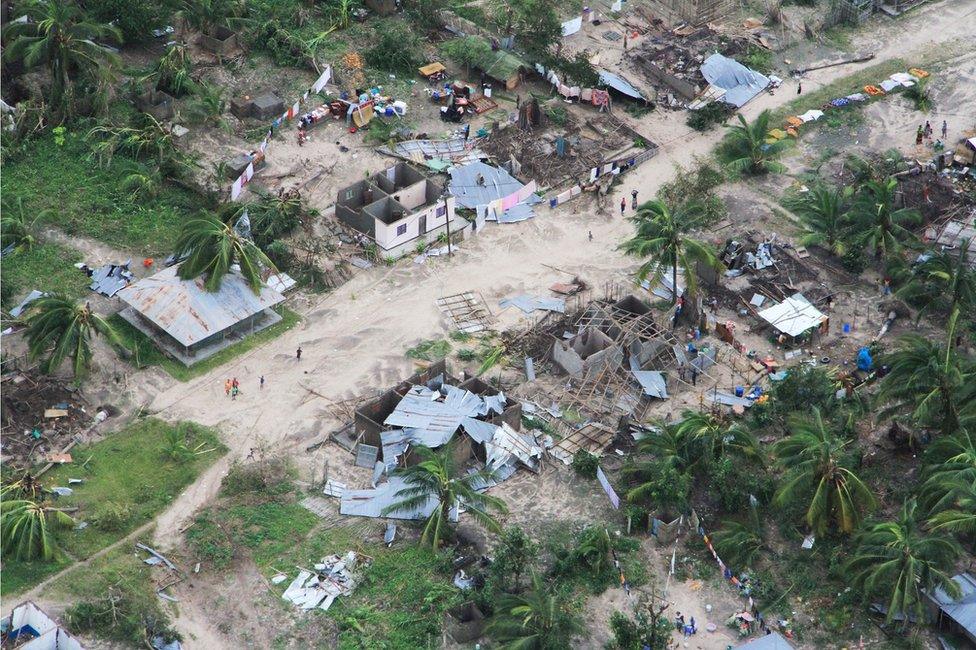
x: 633, y: 202
x: 925, y: 133
x: 232, y: 387
x: 687, y: 629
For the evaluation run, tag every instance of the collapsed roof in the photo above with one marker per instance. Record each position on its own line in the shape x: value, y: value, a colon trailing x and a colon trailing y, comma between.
x: 739, y: 82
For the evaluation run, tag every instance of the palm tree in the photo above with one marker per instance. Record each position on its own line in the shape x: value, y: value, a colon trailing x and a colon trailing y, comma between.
x: 747, y: 149
x: 534, y: 620
x: 61, y: 38
x: 438, y: 478
x: 929, y: 380
x: 943, y: 283
x: 822, y: 217
x: 960, y: 516
x: 61, y: 329
x: 879, y: 226
x: 207, y: 15
x: 17, y: 226
x: 25, y: 529
x: 900, y: 561
x: 818, y: 472
x: 707, y: 438
x: 740, y: 542
x: 148, y: 139
x: 660, y: 238
x: 950, y: 461
x: 212, y: 247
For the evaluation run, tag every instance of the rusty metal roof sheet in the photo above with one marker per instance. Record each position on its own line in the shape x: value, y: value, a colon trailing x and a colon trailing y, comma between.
x: 188, y: 312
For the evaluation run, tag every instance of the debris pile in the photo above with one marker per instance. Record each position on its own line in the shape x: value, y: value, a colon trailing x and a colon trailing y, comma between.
x: 334, y: 576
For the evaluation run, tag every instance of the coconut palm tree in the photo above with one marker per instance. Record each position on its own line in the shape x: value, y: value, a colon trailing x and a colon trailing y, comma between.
x: 17, y: 227
x: 949, y: 462
x: 746, y: 148
x: 707, y: 438
x: 943, y: 283
x: 212, y: 247
x: 148, y: 140
x: 879, y: 227
x: 822, y: 213
x: 59, y: 328
x: 436, y: 477
x: 818, y: 473
x: 660, y: 238
x: 534, y: 620
x: 960, y: 516
x: 740, y: 543
x: 61, y: 38
x: 898, y: 561
x: 929, y: 380
x: 26, y: 527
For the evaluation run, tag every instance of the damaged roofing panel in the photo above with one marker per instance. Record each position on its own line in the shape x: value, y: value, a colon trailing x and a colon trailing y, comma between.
x: 508, y: 443
x: 740, y: 83
x: 477, y: 184
x: 371, y: 503
x: 479, y: 430
x: 652, y: 381
x: 793, y: 316
x: 432, y: 421
x: 188, y: 312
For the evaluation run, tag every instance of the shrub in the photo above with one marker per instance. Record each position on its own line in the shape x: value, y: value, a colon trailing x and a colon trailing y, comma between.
x: 269, y: 476
x: 396, y: 50
x: 210, y: 542
x: 136, y: 20
x: 111, y: 516
x: 279, y: 253
x: 123, y: 615
x: 732, y: 483
x: 709, y: 115
x: 585, y: 464
x: 804, y: 388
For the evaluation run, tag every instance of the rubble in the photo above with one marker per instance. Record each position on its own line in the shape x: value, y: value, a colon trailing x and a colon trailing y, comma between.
x: 332, y: 577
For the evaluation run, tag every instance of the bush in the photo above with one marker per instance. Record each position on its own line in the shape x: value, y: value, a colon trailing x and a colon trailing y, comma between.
x: 585, y: 464
x: 122, y: 615
x: 136, y: 20
x: 397, y: 50
x: 111, y: 516
x: 709, y: 115
x: 279, y: 253
x: 269, y: 476
x: 637, y: 633
x: 804, y: 388
x: 732, y: 483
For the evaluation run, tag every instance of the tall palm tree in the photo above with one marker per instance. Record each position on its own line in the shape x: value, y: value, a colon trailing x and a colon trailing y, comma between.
x: 438, y: 477
x: 949, y: 461
x: 212, y: 247
x: 960, y: 515
x: 61, y: 38
x: 943, y: 283
x: 26, y: 527
x: 818, y: 472
x: 60, y: 328
x: 747, y: 150
x: 822, y: 213
x: 660, y: 237
x: 879, y: 226
x: 929, y: 380
x: 899, y: 561
x: 534, y: 620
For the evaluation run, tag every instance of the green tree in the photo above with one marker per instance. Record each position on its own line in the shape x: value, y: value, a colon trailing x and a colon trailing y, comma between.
x: 514, y: 556
x: 276, y: 214
x: 469, y: 51
x: 535, y: 25
x: 437, y: 478
x: 949, y: 461
x: 822, y: 213
x: 928, y: 380
x: 818, y: 473
x: 26, y: 529
x: 879, y: 227
x: 208, y: 15
x: 58, y: 328
x: 660, y: 238
x: 578, y: 70
x: 943, y: 283
x: 898, y: 561
x: 535, y: 620
x: 740, y: 542
x: 212, y: 247
x: 960, y: 514
x: 148, y: 140
x: 746, y: 149
x: 659, y: 483
x: 17, y: 227
x: 62, y: 39
x: 707, y: 438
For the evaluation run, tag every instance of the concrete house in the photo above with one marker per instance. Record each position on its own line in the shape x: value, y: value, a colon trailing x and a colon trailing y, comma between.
x: 397, y: 208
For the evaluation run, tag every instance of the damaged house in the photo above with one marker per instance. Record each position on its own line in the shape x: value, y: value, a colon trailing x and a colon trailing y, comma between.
x: 433, y: 409
x: 398, y: 208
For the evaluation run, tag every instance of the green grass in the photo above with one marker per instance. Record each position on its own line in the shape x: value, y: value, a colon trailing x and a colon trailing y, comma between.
x: 86, y: 199
x: 46, y: 267
x: 145, y: 352
x: 129, y: 471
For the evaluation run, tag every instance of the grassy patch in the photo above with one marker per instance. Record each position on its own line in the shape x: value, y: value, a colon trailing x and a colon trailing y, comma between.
x: 46, y: 267
x: 87, y: 199
x: 145, y: 352
x: 128, y: 479
x: 431, y: 350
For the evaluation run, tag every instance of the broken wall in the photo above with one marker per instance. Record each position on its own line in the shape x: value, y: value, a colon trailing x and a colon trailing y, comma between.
x: 586, y: 353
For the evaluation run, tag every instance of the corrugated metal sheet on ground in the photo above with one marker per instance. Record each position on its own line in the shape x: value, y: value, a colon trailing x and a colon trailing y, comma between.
x: 740, y: 83
x: 188, y: 312
x: 652, y: 381
x: 529, y: 304
x: 370, y: 503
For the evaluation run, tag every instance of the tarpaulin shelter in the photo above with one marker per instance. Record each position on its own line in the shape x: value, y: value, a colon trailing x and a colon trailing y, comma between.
x: 793, y: 316
x: 739, y: 82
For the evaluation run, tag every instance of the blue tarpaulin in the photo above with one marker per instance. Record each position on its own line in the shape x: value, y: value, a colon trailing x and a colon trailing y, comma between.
x: 739, y: 82
x: 864, y: 360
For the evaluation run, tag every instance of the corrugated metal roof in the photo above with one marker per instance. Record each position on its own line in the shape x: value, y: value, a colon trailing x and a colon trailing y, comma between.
x: 793, y: 316
x: 370, y: 503
x: 774, y: 641
x: 619, y: 84
x: 963, y: 609
x: 188, y: 312
x: 652, y: 381
x: 740, y: 83
x: 497, y: 183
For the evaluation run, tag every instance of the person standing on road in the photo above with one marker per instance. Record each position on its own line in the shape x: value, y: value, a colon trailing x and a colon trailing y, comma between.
x: 227, y: 387
x: 623, y: 205
x: 262, y: 381
x: 633, y: 196
x: 919, y: 134
x: 298, y: 353
x: 799, y: 87
x: 945, y: 130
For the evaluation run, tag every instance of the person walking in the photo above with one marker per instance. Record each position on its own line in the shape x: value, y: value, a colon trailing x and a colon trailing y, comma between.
x: 623, y: 205
x: 227, y: 387
x: 633, y: 196
x: 679, y: 622
x: 298, y: 353
x: 928, y: 130
x: 945, y: 130
x: 262, y: 381
x: 919, y: 134
x: 799, y: 87
x: 590, y: 234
